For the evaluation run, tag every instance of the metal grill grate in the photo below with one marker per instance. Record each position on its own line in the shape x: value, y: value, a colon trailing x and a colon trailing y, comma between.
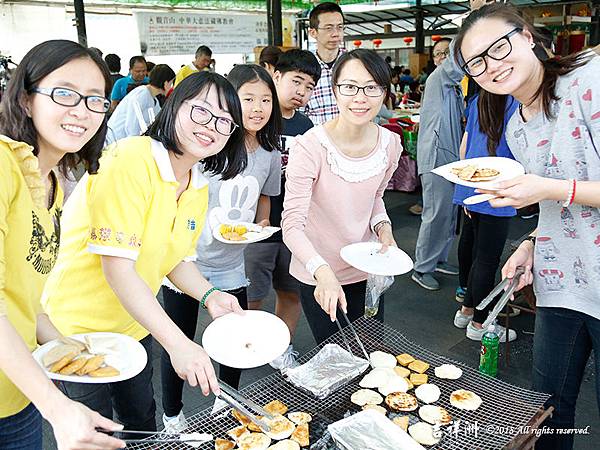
x: 506, y: 409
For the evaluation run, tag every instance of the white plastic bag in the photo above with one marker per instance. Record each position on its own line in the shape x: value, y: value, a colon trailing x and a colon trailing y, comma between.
x: 376, y: 286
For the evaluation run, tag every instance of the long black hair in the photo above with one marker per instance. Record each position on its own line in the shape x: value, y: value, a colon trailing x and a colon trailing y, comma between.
x: 269, y: 135
x: 38, y: 63
x: 492, y: 106
x: 231, y: 160
x: 374, y: 64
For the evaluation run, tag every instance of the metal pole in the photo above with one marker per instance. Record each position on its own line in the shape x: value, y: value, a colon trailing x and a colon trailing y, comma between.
x: 419, y: 34
x: 80, y: 22
x: 274, y: 19
x: 595, y: 25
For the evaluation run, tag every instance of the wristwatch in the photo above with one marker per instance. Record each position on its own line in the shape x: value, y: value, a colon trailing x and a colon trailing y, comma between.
x: 531, y: 239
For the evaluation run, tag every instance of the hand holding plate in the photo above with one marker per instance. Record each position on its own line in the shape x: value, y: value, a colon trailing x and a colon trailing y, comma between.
x: 519, y: 192
x: 220, y: 303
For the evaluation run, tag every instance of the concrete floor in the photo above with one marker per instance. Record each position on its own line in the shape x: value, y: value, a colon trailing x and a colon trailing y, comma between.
x: 426, y: 318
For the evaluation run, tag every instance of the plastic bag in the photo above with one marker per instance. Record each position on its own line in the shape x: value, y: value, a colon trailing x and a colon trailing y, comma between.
x: 376, y: 286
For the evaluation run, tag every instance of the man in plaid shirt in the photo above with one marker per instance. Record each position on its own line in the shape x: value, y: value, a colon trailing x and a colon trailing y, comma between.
x: 326, y: 25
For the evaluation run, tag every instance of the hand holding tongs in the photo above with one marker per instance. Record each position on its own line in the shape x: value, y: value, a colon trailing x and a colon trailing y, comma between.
x: 354, y: 333
x: 508, y: 286
x: 238, y: 401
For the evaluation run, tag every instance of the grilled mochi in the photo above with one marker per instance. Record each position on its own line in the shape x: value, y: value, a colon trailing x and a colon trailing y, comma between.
x: 463, y: 399
x: 276, y: 407
x: 237, y: 432
x: 364, y: 397
x: 401, y: 401
x: 448, y: 371
x: 286, y: 444
x: 435, y: 414
x: 254, y: 441
x: 382, y: 359
x: 280, y: 428
x: 299, y: 417
x: 401, y: 421
x: 423, y: 433
x: 223, y: 444
x: 428, y: 393
x: 300, y: 435
x: 241, y: 418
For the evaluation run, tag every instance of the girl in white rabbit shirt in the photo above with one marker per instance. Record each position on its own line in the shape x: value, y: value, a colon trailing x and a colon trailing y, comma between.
x: 244, y: 198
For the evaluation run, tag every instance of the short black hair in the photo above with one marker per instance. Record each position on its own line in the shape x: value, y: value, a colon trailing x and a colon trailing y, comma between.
x: 297, y: 60
x: 136, y: 59
x: 444, y: 39
x: 321, y: 8
x: 39, y: 62
x: 150, y: 66
x: 269, y: 55
x: 113, y: 62
x: 160, y: 75
x: 203, y: 50
x: 269, y: 135
x: 232, y: 159
x: 374, y: 64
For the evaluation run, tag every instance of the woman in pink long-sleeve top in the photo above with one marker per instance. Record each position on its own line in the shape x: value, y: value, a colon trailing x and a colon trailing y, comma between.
x: 336, y: 176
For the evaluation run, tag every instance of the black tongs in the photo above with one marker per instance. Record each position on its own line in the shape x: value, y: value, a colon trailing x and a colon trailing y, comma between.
x: 508, y: 286
x: 235, y: 399
x: 354, y: 333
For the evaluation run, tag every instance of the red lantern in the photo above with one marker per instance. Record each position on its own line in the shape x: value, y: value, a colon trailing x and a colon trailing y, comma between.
x: 357, y: 43
x: 407, y: 40
x: 377, y: 42
x: 436, y: 37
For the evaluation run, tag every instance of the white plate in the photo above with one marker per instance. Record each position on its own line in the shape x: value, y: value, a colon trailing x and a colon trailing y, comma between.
x: 508, y: 168
x: 246, y: 340
x: 255, y: 233
x: 129, y: 359
x: 365, y: 256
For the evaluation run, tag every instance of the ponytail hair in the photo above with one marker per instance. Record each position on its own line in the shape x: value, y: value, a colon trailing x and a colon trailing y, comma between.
x: 492, y: 106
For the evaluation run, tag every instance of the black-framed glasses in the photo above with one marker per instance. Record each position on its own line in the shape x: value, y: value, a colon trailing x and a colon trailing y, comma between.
x: 202, y: 116
x: 440, y: 53
x: 499, y: 50
x: 69, y: 97
x: 371, y: 90
x: 331, y: 28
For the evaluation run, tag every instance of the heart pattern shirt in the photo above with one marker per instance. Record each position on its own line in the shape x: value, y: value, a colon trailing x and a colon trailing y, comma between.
x: 565, y: 146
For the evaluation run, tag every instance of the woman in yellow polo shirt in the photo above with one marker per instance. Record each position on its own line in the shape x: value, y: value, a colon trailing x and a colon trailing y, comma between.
x: 51, y: 115
x: 136, y: 222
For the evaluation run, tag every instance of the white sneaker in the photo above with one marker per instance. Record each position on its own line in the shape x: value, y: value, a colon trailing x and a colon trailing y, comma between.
x: 462, y: 320
x: 287, y: 359
x: 175, y: 424
x: 475, y: 334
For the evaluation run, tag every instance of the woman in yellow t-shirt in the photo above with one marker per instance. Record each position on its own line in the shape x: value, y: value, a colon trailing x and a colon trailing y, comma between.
x: 53, y: 113
x: 134, y: 223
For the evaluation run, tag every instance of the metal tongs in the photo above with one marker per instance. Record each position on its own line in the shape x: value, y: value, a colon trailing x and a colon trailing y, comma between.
x: 508, y: 286
x: 160, y: 437
x: 354, y: 333
x: 238, y: 401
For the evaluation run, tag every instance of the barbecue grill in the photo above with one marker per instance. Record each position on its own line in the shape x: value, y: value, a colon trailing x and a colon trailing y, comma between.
x: 502, y: 420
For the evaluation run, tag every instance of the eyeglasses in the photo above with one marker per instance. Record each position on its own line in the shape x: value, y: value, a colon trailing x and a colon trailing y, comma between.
x: 331, y: 28
x: 440, y: 53
x: 203, y: 116
x: 372, y: 90
x: 69, y: 97
x: 499, y: 50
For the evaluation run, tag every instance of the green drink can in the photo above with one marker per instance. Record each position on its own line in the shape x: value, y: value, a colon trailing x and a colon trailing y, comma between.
x: 488, y: 359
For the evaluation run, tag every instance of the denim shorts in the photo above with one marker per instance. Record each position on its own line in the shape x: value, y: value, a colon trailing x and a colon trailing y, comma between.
x: 226, y: 280
x: 22, y: 431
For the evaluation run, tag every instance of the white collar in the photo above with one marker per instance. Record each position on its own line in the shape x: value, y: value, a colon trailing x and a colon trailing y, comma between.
x: 161, y: 156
